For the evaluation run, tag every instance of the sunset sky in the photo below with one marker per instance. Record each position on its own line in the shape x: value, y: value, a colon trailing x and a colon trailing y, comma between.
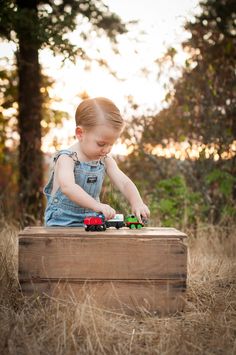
x: 160, y: 25
x: 161, y: 20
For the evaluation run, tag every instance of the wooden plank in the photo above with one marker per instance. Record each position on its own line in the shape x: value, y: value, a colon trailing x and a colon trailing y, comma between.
x: 97, y: 258
x: 130, y: 296
x: 111, y: 232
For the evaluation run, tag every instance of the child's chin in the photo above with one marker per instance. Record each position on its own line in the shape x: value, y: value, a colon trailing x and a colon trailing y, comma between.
x: 96, y: 157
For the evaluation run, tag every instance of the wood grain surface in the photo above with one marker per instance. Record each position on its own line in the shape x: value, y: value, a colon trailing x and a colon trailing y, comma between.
x: 118, y: 269
x: 161, y: 296
x: 145, y: 232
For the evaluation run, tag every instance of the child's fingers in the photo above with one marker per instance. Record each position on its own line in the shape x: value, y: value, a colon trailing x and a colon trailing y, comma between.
x: 110, y: 212
x: 145, y: 212
x: 137, y: 213
x: 142, y: 214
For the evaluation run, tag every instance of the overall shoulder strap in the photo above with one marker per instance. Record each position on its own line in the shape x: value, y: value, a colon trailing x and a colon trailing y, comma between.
x: 68, y: 152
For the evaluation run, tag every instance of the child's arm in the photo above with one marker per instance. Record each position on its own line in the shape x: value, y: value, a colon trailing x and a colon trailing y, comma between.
x: 64, y: 172
x: 127, y: 188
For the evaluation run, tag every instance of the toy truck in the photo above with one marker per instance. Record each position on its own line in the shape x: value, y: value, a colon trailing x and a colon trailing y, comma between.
x: 95, y: 223
x: 98, y: 223
x: 132, y: 222
x: 117, y: 221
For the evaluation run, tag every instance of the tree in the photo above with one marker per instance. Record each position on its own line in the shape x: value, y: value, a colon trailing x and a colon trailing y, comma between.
x: 34, y: 25
x: 199, y: 108
x: 202, y: 104
x: 9, y: 140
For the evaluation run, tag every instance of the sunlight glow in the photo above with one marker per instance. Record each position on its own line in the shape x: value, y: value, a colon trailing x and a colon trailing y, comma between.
x: 192, y: 151
x: 160, y: 25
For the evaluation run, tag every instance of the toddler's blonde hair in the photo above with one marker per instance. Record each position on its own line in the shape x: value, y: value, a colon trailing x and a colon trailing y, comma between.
x: 97, y: 111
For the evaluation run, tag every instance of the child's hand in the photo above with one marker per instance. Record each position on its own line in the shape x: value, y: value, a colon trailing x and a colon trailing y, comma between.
x: 107, y: 210
x: 140, y: 210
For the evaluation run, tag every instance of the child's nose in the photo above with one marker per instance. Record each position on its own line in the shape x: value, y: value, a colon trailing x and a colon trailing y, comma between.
x: 106, y: 150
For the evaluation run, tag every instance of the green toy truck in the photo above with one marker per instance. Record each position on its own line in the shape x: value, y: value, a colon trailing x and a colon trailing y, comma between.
x: 132, y: 222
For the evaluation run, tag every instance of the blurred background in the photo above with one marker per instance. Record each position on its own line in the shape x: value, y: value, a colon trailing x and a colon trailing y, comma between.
x: 170, y: 68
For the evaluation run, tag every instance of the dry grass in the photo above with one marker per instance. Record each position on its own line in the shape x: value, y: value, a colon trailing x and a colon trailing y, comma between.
x: 208, y: 325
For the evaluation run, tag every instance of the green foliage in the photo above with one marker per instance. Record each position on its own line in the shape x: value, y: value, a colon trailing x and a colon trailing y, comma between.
x: 174, y: 204
x: 223, y: 180
x: 48, y: 23
x: 200, y: 110
x: 221, y: 185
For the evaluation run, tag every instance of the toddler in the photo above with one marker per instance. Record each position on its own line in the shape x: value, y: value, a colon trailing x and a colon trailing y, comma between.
x: 75, y: 184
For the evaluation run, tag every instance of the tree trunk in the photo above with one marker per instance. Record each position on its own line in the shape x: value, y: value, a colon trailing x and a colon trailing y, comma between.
x: 29, y: 122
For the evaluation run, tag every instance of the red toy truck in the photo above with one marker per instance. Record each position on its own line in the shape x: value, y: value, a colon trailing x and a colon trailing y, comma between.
x: 95, y: 223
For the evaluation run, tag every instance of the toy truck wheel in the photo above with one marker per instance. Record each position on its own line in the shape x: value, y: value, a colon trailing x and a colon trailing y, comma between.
x: 139, y: 226
x: 132, y: 226
x: 87, y: 228
x: 104, y: 227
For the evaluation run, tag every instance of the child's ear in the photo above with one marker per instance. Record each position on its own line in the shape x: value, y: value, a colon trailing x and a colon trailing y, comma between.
x: 79, y: 132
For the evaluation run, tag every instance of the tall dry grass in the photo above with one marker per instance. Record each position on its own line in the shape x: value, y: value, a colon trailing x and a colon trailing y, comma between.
x: 207, y: 326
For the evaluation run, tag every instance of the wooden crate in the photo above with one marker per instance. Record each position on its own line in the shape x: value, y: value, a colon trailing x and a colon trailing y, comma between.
x: 122, y: 269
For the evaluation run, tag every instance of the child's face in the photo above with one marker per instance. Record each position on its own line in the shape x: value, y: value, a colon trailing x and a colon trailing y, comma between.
x: 97, y: 142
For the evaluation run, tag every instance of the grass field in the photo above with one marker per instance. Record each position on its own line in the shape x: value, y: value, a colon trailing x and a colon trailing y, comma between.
x: 208, y: 325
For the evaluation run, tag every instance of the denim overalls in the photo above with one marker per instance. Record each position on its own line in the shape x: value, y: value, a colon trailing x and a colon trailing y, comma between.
x: 60, y: 210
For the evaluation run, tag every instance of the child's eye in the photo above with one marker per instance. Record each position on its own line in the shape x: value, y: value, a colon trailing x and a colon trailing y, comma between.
x: 101, y: 144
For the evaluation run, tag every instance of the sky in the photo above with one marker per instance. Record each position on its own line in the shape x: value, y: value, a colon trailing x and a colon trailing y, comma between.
x: 160, y: 25
x: 162, y: 20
